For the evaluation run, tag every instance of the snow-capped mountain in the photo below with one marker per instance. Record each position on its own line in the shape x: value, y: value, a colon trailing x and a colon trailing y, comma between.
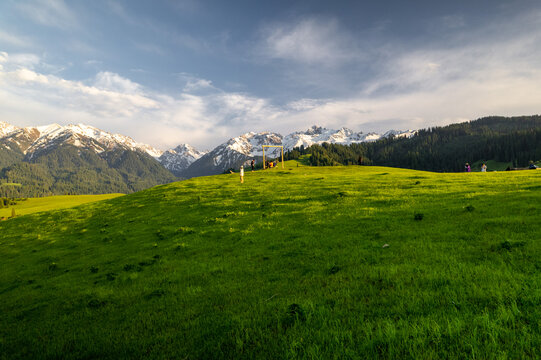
x: 183, y: 160
x: 345, y: 136
x: 30, y: 140
x: 399, y: 134
x: 6, y: 129
x: 178, y: 159
x: 238, y: 150
x: 232, y: 153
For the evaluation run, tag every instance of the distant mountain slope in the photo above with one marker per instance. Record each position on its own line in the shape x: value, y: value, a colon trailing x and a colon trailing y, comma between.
x: 67, y: 169
x: 178, y: 159
x: 232, y: 154
x: 32, y: 139
x: 76, y: 159
x: 345, y: 136
x: 238, y: 150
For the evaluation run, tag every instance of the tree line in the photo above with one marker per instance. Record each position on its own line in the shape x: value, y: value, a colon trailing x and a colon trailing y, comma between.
x: 516, y: 140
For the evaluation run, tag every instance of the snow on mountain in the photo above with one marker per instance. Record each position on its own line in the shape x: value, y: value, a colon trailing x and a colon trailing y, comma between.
x: 319, y: 135
x: 345, y: 136
x: 178, y: 159
x: 397, y: 133
x: 32, y: 139
x: 233, y: 153
x: 238, y: 150
x: 6, y: 129
x: 183, y: 158
x: 248, y: 145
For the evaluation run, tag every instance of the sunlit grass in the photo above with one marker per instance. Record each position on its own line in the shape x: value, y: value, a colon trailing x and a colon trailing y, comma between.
x: 296, y: 263
x: 33, y: 205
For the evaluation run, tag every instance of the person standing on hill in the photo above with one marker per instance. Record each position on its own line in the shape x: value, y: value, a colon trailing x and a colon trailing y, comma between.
x: 242, y: 174
x: 467, y: 168
x: 484, y: 168
x: 253, y: 165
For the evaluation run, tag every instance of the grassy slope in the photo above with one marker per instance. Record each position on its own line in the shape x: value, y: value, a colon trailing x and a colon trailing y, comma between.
x: 33, y: 205
x: 207, y: 268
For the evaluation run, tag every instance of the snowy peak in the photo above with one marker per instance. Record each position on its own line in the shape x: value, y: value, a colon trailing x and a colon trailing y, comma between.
x: 179, y: 158
x: 32, y: 139
x: 233, y: 153
x: 319, y: 135
x: 6, y: 129
x: 110, y: 140
x: 399, y: 134
x: 251, y: 144
x: 187, y: 150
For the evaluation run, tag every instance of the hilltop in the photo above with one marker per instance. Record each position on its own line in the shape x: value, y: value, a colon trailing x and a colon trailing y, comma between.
x: 305, y: 262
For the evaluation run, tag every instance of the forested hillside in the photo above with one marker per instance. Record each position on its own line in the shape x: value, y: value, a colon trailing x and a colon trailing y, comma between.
x: 516, y: 140
x: 68, y: 169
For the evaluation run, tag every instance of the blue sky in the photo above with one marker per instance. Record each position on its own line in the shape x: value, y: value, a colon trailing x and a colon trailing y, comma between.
x: 199, y: 72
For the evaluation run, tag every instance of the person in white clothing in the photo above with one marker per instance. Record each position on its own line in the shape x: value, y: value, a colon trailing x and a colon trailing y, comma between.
x: 483, y: 168
x: 242, y: 174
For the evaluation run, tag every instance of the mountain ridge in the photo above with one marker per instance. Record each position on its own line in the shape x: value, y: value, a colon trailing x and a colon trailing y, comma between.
x: 183, y: 160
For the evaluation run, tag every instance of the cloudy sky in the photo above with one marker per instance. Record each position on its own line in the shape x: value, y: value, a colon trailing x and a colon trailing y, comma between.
x: 199, y: 72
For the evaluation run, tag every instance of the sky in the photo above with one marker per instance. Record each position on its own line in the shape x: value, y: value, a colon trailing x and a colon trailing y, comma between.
x: 167, y: 72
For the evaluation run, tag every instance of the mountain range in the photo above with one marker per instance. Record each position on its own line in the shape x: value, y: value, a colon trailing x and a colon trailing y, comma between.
x: 81, y: 158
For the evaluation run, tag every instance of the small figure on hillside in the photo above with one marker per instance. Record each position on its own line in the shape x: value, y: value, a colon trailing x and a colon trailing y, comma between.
x: 275, y: 163
x: 360, y: 160
x: 253, y: 164
x: 484, y: 168
x: 242, y: 174
x: 467, y: 168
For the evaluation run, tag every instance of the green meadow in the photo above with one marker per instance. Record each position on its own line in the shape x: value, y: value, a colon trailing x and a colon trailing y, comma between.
x: 32, y: 205
x: 302, y: 262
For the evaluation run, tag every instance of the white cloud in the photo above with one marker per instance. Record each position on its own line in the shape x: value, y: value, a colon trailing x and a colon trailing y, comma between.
x: 15, y: 40
x: 110, y: 81
x: 489, y: 74
x: 310, y: 41
x: 194, y: 84
x: 53, y: 13
x: 21, y: 59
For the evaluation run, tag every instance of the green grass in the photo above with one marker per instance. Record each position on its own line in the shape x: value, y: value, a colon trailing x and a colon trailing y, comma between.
x: 316, y: 263
x: 33, y: 205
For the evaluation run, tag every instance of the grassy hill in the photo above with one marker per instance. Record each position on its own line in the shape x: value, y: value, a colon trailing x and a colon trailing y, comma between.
x: 33, y: 205
x: 306, y: 262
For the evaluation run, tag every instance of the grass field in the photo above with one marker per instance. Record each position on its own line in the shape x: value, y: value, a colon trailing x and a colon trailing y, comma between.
x: 316, y: 263
x: 33, y: 205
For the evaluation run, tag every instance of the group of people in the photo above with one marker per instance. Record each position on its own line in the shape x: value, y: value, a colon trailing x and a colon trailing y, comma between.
x: 467, y: 167
x: 271, y: 164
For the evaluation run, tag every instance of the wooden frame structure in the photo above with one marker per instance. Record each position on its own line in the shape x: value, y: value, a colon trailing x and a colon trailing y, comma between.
x: 272, y: 146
